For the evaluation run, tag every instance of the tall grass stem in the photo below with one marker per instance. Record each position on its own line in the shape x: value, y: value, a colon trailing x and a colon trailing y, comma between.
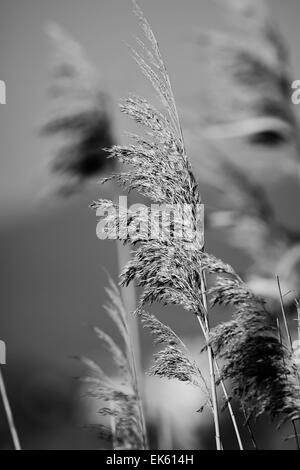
x: 9, y: 415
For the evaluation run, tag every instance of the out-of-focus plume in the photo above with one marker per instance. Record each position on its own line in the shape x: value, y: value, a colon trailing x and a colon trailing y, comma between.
x: 247, y: 96
x: 80, y: 116
x: 252, y: 137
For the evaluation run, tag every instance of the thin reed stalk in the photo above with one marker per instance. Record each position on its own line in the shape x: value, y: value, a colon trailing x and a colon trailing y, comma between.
x: 287, y: 330
x: 224, y: 389
x: 133, y: 353
x: 298, y: 318
x: 9, y: 415
x: 129, y: 299
x: 211, y: 367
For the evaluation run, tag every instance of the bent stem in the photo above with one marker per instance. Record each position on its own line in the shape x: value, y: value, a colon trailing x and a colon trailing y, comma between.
x: 288, y: 333
x: 211, y: 368
x: 9, y: 414
x: 227, y: 399
x: 232, y: 416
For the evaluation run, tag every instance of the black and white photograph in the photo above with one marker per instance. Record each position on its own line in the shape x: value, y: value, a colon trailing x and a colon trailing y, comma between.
x: 150, y: 228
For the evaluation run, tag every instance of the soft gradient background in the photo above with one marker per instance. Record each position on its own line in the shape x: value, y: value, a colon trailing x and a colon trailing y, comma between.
x: 50, y: 259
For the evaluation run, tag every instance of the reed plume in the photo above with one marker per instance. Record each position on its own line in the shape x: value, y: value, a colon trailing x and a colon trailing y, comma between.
x: 172, y: 270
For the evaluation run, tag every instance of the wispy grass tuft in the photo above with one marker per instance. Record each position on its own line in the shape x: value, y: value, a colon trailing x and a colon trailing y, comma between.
x: 174, y: 360
x: 121, y: 397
